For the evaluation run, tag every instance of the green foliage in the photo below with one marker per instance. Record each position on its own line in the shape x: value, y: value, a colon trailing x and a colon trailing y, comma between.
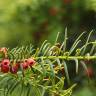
x: 46, y: 77
x: 24, y: 21
x: 90, y: 4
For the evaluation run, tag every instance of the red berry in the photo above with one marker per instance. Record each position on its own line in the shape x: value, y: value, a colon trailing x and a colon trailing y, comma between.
x: 5, y: 68
x: 5, y: 65
x: 31, y: 62
x: 17, y: 65
x: 89, y: 72
x: 14, y: 69
x: 5, y: 62
x: 25, y: 65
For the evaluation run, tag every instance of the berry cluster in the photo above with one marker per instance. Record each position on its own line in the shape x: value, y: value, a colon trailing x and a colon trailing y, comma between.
x: 7, y: 66
x: 12, y: 66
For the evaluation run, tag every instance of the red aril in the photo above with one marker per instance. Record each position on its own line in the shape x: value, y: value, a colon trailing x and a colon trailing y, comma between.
x: 14, y: 69
x: 31, y: 61
x: 25, y: 65
x: 5, y: 66
x: 5, y: 62
x: 89, y: 72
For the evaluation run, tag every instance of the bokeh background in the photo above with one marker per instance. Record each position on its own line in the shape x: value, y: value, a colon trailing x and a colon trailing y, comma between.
x: 32, y: 21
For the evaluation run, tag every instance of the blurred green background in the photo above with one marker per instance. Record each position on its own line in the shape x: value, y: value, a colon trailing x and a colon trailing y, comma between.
x: 26, y: 21
x: 32, y: 21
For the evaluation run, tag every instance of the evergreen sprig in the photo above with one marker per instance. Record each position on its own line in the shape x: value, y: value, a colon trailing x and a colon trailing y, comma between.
x: 45, y: 76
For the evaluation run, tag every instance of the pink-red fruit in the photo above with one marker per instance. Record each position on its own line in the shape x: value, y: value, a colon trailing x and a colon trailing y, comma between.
x: 90, y: 72
x: 5, y: 66
x: 14, y: 69
x: 25, y: 65
x: 31, y: 62
x: 5, y: 62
